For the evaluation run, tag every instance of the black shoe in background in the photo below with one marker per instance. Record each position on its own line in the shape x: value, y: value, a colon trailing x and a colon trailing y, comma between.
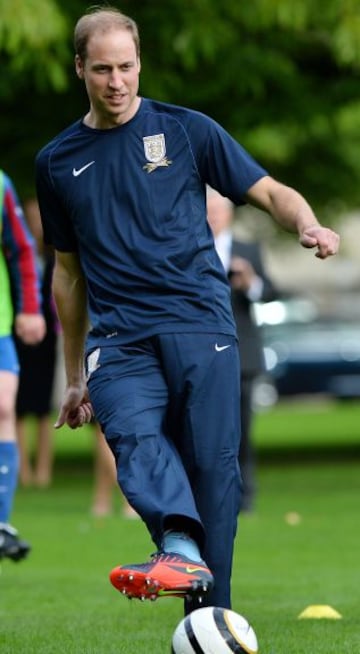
x: 11, y: 546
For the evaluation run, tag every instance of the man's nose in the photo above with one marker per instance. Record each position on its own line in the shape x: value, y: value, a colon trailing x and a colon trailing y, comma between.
x: 115, y: 79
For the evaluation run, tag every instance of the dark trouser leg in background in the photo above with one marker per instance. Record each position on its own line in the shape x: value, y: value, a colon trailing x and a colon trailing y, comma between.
x: 246, y: 452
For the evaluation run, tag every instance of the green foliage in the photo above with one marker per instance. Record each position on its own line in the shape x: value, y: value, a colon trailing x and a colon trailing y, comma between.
x: 282, y: 76
x: 32, y: 45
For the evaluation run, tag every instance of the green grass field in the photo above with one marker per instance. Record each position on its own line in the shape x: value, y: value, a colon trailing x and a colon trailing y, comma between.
x: 60, y: 600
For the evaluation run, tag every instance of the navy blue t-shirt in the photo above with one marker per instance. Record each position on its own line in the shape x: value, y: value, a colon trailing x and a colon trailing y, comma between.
x: 131, y: 201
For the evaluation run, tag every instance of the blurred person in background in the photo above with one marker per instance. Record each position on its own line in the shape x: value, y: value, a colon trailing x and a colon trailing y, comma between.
x: 105, y: 480
x: 37, y: 373
x: 20, y: 306
x: 122, y: 194
x: 243, y: 264
x: 104, y: 476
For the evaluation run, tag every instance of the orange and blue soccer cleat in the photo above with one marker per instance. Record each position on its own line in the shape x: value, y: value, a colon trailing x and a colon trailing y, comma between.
x: 166, y: 575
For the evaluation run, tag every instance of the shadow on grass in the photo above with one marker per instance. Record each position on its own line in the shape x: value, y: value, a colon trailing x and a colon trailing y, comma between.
x: 265, y: 455
x: 318, y: 454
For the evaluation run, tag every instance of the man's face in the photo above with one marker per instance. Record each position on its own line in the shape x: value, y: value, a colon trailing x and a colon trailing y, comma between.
x: 111, y: 74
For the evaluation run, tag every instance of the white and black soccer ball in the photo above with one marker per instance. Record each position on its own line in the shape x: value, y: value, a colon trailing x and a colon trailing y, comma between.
x: 214, y: 630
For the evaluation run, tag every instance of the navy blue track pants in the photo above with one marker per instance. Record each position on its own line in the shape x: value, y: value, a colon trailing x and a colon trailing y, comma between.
x: 169, y: 408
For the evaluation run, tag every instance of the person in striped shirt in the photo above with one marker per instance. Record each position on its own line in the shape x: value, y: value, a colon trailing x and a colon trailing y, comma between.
x: 20, y: 307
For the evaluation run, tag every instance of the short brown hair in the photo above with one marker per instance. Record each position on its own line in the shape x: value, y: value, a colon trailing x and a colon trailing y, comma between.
x: 102, y: 18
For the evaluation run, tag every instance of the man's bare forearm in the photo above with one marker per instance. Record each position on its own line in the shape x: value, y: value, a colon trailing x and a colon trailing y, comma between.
x: 284, y: 204
x: 70, y: 298
x: 290, y: 210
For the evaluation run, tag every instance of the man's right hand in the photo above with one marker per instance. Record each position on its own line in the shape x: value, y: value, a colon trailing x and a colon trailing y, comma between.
x: 76, y: 410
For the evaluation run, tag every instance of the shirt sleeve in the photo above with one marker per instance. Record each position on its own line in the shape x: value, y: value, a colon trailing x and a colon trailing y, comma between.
x: 223, y: 163
x: 20, y: 253
x: 57, y: 228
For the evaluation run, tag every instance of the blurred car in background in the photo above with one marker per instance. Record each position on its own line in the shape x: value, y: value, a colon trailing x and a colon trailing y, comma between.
x: 307, y: 353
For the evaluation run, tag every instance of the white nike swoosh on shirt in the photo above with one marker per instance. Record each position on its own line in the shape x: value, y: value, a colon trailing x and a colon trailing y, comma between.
x: 78, y: 172
x: 220, y: 348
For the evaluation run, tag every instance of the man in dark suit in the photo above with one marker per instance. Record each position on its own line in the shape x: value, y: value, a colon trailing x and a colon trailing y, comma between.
x: 249, y: 283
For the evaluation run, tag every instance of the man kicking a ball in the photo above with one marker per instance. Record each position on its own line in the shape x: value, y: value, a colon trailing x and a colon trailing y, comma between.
x: 122, y: 194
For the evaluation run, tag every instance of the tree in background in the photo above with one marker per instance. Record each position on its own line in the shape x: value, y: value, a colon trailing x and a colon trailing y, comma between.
x: 33, y: 37
x: 281, y: 75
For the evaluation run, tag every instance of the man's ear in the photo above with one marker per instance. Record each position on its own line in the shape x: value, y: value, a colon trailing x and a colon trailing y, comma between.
x: 79, y: 67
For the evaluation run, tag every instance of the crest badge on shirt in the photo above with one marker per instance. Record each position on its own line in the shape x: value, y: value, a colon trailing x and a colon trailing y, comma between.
x: 155, y: 152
